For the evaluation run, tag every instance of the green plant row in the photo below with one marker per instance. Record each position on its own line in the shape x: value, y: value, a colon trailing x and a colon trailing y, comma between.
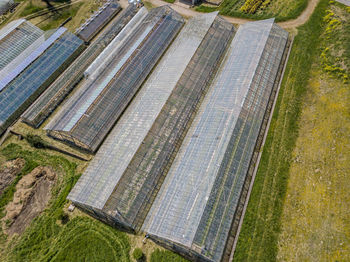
x: 251, y: 6
x: 259, y: 234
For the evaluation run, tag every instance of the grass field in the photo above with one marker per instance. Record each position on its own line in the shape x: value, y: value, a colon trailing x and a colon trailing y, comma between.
x: 79, y: 12
x: 316, y: 216
x: 81, y: 238
x: 258, y: 240
x: 47, y: 238
x: 259, y: 9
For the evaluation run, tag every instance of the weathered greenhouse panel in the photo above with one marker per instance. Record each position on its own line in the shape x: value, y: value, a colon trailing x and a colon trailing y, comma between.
x: 39, y: 111
x: 18, y: 95
x: 87, y: 117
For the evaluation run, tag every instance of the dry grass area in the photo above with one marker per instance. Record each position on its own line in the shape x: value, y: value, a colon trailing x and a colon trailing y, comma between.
x: 260, y: 238
x: 79, y: 11
x: 283, y: 7
x: 316, y: 218
x: 33, y: 192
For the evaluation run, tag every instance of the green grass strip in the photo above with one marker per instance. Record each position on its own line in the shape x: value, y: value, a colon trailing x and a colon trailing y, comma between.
x: 261, y: 226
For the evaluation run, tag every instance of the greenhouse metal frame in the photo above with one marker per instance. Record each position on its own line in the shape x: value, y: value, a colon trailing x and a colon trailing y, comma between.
x: 40, y: 110
x: 175, y: 88
x: 15, y: 38
x: 180, y: 160
x: 86, y: 119
x: 25, y: 88
x: 98, y: 20
x: 198, y: 203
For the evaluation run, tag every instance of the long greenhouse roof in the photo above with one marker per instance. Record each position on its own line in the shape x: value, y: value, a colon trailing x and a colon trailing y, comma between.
x: 51, y: 98
x: 15, y: 38
x: 10, y: 27
x: 94, y: 84
x: 25, y: 53
x: 105, y: 67
x: 107, y: 55
x: 118, y: 83
x: 185, y: 195
x: 126, y: 137
x: 31, y: 57
x: 145, y: 173
x: 33, y: 77
x: 98, y: 19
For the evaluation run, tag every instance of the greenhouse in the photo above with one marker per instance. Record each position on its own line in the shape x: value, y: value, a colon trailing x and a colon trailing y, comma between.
x: 98, y: 20
x: 197, y: 208
x: 122, y: 187
x: 6, y: 5
x: 89, y: 115
x: 17, y: 40
x: 26, y: 87
x: 54, y: 95
x: 11, y: 75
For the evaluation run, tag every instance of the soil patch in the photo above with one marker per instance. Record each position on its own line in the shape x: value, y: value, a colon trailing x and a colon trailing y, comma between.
x: 9, y: 171
x: 32, y: 194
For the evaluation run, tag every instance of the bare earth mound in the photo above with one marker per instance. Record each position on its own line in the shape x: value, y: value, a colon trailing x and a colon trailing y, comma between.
x: 32, y: 194
x: 9, y: 171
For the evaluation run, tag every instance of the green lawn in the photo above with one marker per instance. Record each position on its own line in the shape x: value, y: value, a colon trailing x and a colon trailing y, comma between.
x: 262, y: 223
x: 80, y: 239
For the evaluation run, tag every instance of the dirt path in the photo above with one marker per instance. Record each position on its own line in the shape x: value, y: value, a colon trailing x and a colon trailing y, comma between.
x: 187, y: 12
x: 302, y: 19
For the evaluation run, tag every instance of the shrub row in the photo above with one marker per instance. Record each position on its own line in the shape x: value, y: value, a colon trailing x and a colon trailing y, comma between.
x: 251, y: 6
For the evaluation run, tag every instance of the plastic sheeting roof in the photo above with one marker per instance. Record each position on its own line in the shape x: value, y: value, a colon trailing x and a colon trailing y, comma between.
x: 117, y: 151
x: 15, y: 38
x: 21, y: 90
x: 180, y: 205
x: 53, y: 96
x: 89, y: 122
x: 30, y: 59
